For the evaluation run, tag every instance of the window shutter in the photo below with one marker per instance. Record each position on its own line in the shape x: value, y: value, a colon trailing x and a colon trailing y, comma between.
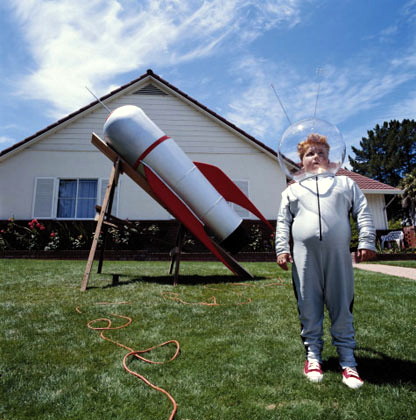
x: 241, y: 211
x: 43, y: 205
x: 104, y: 183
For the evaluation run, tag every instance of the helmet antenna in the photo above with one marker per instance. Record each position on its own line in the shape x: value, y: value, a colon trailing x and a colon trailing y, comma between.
x: 281, y: 104
x: 319, y: 72
x: 99, y: 100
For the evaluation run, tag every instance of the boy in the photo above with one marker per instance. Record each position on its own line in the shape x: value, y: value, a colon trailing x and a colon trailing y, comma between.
x: 315, y: 212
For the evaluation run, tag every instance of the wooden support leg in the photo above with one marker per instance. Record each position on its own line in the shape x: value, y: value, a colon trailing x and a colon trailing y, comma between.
x: 176, y: 254
x: 111, y: 185
x: 103, y: 247
x: 105, y: 227
x: 116, y: 279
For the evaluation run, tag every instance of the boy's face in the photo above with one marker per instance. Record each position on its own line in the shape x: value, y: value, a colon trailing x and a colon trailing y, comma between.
x: 315, y: 160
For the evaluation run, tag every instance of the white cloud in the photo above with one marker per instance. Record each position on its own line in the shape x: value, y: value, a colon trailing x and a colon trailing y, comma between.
x: 406, y: 108
x: 254, y: 107
x: 408, y: 10
x: 75, y: 43
x: 344, y: 93
x: 6, y: 140
x: 78, y: 43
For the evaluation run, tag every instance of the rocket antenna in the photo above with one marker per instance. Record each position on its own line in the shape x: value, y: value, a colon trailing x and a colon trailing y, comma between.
x: 99, y: 100
x: 281, y: 104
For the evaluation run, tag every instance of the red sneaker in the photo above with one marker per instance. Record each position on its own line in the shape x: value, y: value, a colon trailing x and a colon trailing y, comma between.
x: 313, y: 371
x: 351, y: 378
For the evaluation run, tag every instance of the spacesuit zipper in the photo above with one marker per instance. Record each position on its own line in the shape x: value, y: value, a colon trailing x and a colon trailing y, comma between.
x: 319, y: 209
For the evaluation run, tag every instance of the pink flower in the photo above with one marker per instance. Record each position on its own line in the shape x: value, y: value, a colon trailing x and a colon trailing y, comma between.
x: 52, y: 235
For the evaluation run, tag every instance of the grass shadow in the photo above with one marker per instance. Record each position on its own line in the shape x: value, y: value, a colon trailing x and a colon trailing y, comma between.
x: 379, y: 368
x: 183, y: 280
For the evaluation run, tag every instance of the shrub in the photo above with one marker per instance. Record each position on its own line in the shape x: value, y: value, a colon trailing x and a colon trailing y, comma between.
x: 45, y: 235
x: 153, y: 236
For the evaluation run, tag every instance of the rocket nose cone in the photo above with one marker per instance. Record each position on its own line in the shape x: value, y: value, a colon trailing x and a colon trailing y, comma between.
x: 124, y: 112
x: 130, y: 131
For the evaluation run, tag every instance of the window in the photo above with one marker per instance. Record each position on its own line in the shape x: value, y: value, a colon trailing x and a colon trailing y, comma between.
x: 104, y: 183
x: 241, y: 211
x: 69, y: 198
x: 77, y: 198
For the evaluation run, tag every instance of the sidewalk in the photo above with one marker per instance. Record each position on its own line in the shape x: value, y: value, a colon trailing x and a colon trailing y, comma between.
x: 391, y: 270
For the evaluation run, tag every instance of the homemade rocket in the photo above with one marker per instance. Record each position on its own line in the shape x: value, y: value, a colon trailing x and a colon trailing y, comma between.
x: 193, y: 192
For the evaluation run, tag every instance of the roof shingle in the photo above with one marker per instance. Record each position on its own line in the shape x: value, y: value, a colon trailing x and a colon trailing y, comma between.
x: 366, y: 183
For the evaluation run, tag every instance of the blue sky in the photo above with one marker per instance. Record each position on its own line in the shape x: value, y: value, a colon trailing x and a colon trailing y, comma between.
x: 224, y: 53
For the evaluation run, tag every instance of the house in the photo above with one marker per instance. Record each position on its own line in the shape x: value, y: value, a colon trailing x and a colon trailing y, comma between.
x: 374, y: 192
x: 58, y: 174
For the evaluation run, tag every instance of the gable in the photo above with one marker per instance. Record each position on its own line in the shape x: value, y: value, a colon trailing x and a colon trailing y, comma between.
x: 194, y: 131
x: 196, y: 128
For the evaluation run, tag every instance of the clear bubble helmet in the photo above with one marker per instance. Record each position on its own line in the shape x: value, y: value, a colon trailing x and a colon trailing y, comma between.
x: 308, y: 137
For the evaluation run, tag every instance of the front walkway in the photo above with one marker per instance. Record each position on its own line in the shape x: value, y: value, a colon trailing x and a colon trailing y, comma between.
x: 392, y: 270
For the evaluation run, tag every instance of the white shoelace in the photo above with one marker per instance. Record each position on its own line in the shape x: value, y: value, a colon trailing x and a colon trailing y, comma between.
x: 352, y: 372
x: 314, y: 365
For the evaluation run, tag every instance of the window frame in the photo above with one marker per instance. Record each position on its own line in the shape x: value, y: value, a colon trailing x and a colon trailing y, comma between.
x: 54, y: 197
x: 78, y: 200
x: 241, y: 211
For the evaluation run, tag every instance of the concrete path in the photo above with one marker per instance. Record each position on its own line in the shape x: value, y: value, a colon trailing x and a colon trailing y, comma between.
x: 392, y: 270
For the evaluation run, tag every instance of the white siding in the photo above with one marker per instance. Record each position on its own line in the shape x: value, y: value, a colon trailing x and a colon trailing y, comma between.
x: 376, y: 203
x: 191, y: 129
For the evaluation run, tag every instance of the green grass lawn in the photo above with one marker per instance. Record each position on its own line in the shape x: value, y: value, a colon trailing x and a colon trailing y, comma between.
x: 239, y: 360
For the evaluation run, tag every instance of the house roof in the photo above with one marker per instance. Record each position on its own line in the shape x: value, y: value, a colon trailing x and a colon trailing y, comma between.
x: 368, y: 185
x: 150, y: 75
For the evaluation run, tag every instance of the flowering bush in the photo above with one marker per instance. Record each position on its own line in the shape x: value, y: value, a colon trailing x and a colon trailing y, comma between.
x: 15, y: 236
x: 47, y: 235
x: 50, y: 235
x: 260, y: 240
x: 78, y: 242
x: 53, y: 243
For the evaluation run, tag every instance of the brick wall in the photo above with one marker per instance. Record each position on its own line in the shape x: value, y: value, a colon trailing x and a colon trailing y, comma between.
x: 409, y: 236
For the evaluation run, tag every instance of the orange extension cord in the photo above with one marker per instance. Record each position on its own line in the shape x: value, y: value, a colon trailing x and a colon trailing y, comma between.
x: 213, y: 300
x: 135, y: 353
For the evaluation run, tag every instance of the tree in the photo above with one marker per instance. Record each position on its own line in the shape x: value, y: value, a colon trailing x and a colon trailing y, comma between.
x: 408, y: 185
x: 388, y: 153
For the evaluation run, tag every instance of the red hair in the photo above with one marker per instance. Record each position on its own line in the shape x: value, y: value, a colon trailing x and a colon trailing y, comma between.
x: 312, y: 139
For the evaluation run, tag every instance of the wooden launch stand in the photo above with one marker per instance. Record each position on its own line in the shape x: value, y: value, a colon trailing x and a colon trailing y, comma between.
x: 105, y: 218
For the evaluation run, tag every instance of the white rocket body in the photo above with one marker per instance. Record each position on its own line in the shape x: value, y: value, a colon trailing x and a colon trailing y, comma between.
x: 135, y: 137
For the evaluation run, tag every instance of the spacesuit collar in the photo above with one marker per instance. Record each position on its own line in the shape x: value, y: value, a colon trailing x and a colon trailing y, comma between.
x: 309, y: 175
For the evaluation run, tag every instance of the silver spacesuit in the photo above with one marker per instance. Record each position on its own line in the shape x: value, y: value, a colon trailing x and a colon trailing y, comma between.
x: 314, y: 213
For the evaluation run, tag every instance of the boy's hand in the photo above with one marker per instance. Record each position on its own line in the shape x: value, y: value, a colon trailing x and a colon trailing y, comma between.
x: 365, y: 255
x: 283, y: 259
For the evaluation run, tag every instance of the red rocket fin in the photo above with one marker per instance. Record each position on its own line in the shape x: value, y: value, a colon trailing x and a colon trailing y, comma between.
x: 227, y: 188
x: 182, y: 212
